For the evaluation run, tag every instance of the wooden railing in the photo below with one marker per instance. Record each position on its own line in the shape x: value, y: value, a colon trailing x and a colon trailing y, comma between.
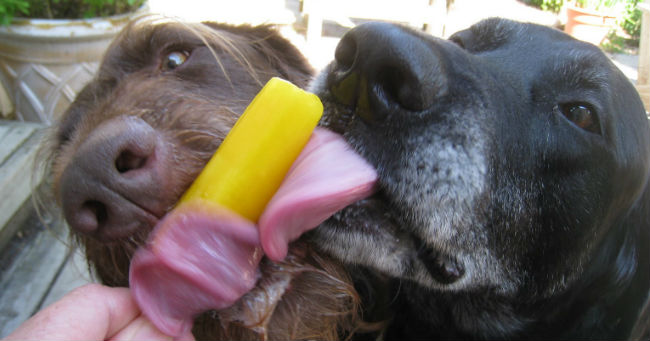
x: 643, y: 78
x: 428, y: 15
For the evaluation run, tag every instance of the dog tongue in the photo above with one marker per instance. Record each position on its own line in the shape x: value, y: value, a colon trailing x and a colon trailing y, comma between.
x: 326, y: 177
x: 202, y: 256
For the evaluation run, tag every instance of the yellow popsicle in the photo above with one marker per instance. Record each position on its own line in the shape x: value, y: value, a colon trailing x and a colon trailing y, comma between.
x: 249, y: 166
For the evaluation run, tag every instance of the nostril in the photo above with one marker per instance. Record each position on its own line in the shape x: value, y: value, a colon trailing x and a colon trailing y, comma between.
x: 97, y: 210
x: 90, y: 217
x: 114, y: 184
x: 127, y: 160
x: 346, y: 53
x: 390, y: 82
x: 383, y: 69
x: 400, y: 87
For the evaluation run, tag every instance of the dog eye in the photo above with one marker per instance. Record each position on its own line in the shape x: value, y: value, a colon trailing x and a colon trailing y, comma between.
x: 174, y: 59
x: 581, y: 115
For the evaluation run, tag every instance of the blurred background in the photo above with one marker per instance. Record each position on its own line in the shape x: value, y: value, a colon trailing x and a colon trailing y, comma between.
x: 37, y: 84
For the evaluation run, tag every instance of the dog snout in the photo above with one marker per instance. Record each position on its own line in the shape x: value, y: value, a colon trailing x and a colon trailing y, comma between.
x: 113, y: 185
x: 382, y: 69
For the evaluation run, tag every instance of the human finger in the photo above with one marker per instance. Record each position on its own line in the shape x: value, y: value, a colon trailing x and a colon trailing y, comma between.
x: 89, y: 312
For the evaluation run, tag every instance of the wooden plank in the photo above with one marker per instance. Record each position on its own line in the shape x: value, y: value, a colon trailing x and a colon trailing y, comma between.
x: 17, y: 221
x: 436, y: 20
x: 644, y: 92
x: 74, y: 274
x: 643, y: 77
x: 4, y: 130
x: 37, y: 266
x: 415, y: 13
x: 28, y: 266
x: 17, y: 177
x: 314, y: 21
x: 12, y: 136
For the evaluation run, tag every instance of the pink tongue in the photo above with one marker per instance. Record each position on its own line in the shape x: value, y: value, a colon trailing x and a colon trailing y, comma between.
x: 326, y: 177
x: 203, y: 257
x: 199, y: 257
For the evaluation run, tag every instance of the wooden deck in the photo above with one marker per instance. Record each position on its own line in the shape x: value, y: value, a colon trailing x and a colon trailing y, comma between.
x: 37, y: 266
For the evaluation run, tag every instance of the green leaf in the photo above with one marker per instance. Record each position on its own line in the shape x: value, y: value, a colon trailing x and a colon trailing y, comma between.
x: 9, y: 8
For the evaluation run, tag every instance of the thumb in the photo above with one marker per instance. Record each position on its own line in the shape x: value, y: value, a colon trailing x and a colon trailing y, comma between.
x: 142, y: 329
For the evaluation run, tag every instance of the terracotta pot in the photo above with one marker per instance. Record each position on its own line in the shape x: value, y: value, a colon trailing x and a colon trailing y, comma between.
x: 44, y: 63
x: 588, y: 25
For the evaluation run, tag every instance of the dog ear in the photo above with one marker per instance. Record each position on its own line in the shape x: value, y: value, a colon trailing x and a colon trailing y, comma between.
x: 281, y: 53
x: 616, y: 283
x: 633, y: 269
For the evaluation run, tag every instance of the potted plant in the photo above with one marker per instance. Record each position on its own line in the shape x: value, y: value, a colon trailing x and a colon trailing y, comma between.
x: 591, y: 20
x: 49, y: 49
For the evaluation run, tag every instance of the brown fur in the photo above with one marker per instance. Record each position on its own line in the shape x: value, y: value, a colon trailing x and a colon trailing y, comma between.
x: 192, y: 111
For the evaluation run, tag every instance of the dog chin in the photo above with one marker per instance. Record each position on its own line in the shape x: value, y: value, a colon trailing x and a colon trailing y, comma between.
x: 369, y: 234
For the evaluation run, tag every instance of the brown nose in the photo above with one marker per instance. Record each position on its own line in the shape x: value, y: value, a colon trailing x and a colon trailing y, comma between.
x: 113, y: 185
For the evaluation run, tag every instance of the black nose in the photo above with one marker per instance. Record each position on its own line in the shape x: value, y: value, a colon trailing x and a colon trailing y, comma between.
x: 112, y: 186
x: 383, y: 69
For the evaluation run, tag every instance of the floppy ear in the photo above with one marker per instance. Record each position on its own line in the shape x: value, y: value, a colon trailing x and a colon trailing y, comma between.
x: 280, y: 52
x: 633, y: 262
x: 283, y: 55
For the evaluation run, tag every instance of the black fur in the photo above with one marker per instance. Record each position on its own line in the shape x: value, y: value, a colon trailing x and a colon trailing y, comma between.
x: 513, y: 164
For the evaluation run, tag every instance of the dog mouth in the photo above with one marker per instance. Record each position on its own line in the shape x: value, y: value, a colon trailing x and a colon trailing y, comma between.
x: 202, y: 256
x: 442, y: 267
x: 381, y: 217
x: 373, y: 218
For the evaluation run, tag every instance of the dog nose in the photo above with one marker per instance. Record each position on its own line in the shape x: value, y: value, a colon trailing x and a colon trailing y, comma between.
x: 112, y: 186
x: 382, y: 69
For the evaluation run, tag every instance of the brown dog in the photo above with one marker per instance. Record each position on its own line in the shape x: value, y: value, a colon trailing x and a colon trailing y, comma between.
x: 136, y: 136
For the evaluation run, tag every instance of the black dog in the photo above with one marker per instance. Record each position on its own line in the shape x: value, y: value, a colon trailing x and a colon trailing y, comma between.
x: 513, y: 164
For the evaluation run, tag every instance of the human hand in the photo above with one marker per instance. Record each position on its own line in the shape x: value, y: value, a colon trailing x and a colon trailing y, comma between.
x: 91, y: 312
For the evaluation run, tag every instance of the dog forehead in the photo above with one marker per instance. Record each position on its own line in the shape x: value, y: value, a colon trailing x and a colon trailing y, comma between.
x: 142, y: 42
x: 522, y: 43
